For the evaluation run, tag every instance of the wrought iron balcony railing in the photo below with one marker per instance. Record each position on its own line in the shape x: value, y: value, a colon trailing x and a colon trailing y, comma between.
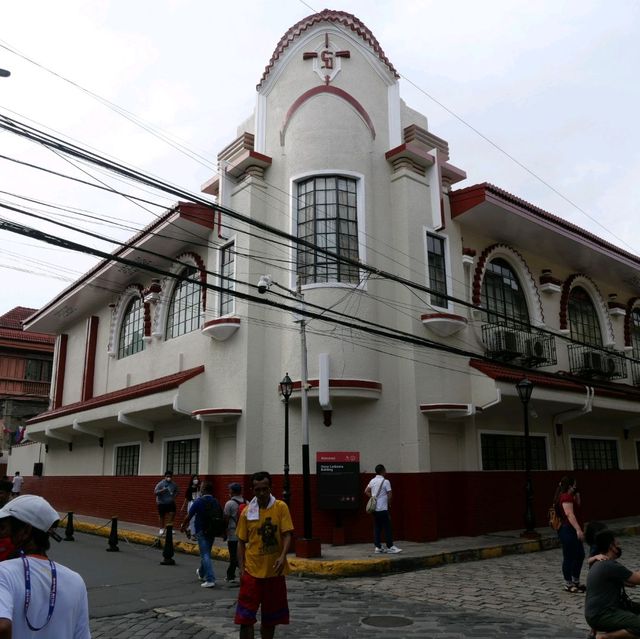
x: 526, y: 347
x: 586, y: 361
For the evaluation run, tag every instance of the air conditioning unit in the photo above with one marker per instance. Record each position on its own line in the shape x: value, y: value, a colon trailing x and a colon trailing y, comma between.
x: 534, y: 349
x: 593, y: 362
x: 610, y: 365
x: 506, y: 342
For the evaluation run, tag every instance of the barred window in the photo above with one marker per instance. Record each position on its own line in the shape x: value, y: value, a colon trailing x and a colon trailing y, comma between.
x: 503, y: 296
x: 583, y: 317
x: 328, y: 218
x: 184, y: 309
x: 132, y: 330
x: 38, y: 370
x: 507, y: 452
x: 127, y: 459
x: 437, y: 269
x: 227, y: 268
x: 182, y: 456
x: 594, y: 454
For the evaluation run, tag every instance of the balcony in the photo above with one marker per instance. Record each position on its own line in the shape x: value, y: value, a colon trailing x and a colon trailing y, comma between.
x: 27, y: 387
x: 524, y: 347
x: 595, y: 363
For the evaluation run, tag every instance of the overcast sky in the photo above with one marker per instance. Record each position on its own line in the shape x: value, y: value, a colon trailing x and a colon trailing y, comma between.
x: 552, y: 83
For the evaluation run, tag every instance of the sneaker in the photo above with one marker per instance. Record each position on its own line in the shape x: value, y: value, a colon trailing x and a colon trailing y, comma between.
x: 394, y: 549
x: 208, y: 584
x: 161, y: 532
x: 378, y: 551
x: 198, y: 575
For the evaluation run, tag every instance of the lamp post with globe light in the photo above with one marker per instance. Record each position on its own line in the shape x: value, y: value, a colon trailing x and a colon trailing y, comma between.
x: 525, y: 388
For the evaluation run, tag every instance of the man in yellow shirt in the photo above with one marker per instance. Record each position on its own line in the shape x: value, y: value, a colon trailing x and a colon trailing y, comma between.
x: 264, y: 536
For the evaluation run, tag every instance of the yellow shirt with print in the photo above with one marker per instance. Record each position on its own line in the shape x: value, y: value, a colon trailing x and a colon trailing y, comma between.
x: 263, y: 539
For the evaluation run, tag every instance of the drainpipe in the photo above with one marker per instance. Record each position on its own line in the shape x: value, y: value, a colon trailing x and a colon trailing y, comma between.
x: 572, y: 413
x: 493, y: 402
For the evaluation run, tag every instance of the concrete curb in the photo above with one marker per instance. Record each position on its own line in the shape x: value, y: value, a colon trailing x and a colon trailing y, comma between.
x: 334, y: 568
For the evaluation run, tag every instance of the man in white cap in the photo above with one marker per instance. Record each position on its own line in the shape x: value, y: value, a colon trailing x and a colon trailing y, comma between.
x: 38, y: 598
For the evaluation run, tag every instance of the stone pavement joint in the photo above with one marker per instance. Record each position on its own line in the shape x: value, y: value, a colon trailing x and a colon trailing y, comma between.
x: 358, y: 560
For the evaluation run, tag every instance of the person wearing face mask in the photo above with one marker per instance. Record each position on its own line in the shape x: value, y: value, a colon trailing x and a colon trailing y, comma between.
x: 608, y: 609
x: 165, y: 492
x: 567, y: 504
x: 192, y: 493
x: 38, y: 597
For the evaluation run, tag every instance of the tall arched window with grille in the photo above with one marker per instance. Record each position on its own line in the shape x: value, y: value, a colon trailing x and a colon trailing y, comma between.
x: 635, y: 332
x: 132, y: 329
x: 502, y: 295
x: 327, y: 209
x: 583, y: 318
x: 184, y: 308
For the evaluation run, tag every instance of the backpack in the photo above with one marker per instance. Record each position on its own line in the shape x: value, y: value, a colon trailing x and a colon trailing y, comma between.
x: 212, y: 518
x: 241, y: 506
x: 555, y: 521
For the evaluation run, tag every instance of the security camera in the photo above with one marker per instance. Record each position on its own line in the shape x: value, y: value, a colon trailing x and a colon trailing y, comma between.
x: 264, y: 283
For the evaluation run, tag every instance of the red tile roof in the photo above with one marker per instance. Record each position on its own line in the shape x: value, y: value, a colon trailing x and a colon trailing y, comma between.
x: 347, y: 20
x: 465, y: 199
x: 132, y: 392
x: 558, y: 381
x: 15, y: 317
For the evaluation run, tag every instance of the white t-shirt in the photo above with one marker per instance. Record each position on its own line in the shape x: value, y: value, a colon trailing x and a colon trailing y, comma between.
x: 382, y: 503
x: 17, y: 484
x: 70, y: 618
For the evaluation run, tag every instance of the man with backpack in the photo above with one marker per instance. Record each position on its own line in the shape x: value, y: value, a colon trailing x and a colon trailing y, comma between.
x: 209, y: 524
x: 232, y: 511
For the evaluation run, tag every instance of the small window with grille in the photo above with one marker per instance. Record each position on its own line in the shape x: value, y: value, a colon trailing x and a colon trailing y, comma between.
x: 507, y: 452
x: 127, y: 459
x: 182, y: 456
x: 594, y: 454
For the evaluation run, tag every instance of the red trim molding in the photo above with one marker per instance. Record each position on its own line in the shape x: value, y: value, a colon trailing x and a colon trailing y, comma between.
x: 60, y: 371
x: 132, y: 392
x: 340, y: 93
x: 217, y: 411
x: 90, y: 358
x: 425, y: 408
x: 364, y: 384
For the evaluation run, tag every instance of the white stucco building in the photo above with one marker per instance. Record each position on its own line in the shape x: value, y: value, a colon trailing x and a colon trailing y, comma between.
x: 170, y: 372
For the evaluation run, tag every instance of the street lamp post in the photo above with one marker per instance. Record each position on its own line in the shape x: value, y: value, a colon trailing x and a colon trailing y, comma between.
x: 525, y: 388
x: 305, y: 546
x: 286, y: 388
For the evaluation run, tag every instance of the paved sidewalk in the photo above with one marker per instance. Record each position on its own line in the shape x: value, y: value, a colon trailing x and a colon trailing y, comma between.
x: 359, y: 559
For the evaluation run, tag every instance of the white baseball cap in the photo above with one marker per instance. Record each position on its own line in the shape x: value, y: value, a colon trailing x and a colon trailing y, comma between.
x: 34, y: 510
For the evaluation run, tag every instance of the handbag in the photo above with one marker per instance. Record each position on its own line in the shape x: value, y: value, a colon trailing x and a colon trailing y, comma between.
x: 371, y: 504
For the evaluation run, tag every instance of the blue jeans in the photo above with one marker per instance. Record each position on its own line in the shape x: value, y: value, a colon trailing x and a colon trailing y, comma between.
x: 572, y: 553
x: 382, y: 521
x: 206, y: 565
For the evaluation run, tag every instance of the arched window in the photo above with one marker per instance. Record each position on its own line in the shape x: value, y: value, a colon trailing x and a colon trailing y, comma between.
x: 132, y: 329
x: 328, y: 217
x: 635, y: 332
x: 184, y: 309
x: 583, y: 318
x: 503, y: 296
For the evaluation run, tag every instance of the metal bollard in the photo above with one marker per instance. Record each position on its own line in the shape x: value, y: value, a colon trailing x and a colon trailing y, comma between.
x: 68, y: 531
x: 113, y: 536
x: 167, y: 551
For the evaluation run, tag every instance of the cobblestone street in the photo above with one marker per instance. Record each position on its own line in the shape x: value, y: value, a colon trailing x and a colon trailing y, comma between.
x: 513, y: 597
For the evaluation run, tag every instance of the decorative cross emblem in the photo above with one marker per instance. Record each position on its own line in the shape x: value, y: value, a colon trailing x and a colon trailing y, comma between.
x: 326, y: 59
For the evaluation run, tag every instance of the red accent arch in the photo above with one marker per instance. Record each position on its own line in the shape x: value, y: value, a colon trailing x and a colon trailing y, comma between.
x: 340, y: 93
x: 200, y: 265
x: 90, y: 358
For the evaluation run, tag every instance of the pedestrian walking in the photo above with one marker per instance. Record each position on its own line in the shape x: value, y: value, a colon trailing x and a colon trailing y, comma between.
x: 209, y: 523
x: 191, y: 494
x: 380, y: 488
x: 232, y: 510
x: 264, y: 535
x: 567, y: 503
x: 165, y: 491
x: 16, y: 484
x: 38, y: 597
x: 607, y: 608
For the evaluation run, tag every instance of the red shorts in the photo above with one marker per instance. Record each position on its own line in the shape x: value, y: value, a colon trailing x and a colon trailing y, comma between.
x: 269, y: 594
